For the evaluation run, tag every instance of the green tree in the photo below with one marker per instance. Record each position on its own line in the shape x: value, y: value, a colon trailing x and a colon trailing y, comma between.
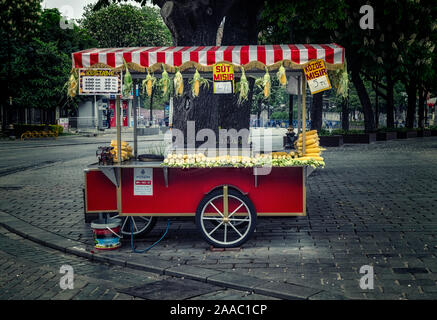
x: 40, y: 63
x: 125, y: 25
x: 42, y: 71
x: 18, y: 22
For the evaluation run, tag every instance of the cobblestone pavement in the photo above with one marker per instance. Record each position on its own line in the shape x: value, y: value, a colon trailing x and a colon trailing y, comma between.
x: 372, y: 205
x: 32, y: 272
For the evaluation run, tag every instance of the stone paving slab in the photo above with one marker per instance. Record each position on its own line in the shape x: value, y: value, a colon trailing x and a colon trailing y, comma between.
x: 235, y: 280
x: 170, y: 288
x: 191, y: 272
x: 285, y: 290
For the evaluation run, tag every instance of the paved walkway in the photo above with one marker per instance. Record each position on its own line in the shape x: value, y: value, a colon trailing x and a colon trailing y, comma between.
x: 372, y: 205
x: 29, y: 271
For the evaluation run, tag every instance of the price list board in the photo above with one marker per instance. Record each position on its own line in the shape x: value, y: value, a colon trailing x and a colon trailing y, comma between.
x: 99, y: 81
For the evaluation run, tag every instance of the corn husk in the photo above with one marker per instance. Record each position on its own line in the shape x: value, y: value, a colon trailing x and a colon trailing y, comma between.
x: 127, y: 81
x: 265, y: 84
x: 340, y: 81
x: 196, y: 83
x: 164, y: 82
x: 148, y: 84
x: 178, y: 84
x: 282, y: 77
x: 243, y: 87
x: 72, y: 84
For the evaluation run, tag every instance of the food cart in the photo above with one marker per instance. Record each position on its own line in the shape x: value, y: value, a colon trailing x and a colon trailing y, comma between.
x: 225, y: 200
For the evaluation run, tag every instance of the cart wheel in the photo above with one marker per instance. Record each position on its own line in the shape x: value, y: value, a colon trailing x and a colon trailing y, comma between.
x: 140, y: 225
x: 226, y: 220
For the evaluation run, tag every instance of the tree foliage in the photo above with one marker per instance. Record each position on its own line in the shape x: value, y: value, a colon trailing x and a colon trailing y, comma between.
x: 124, y: 25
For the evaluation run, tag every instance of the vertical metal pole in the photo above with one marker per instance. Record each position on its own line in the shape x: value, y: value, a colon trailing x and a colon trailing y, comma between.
x: 304, y: 113
x: 118, y: 124
x: 134, y: 106
x: 225, y: 203
x: 299, y: 105
x: 96, y: 117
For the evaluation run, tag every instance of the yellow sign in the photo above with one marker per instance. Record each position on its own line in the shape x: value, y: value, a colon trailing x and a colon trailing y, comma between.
x: 223, y: 78
x: 317, y: 76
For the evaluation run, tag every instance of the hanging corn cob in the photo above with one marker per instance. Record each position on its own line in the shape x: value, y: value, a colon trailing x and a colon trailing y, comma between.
x: 243, y: 87
x: 178, y: 84
x: 72, y: 84
x: 340, y: 80
x: 264, y: 83
x: 281, y: 76
x: 148, y: 83
x: 165, y: 81
x: 127, y: 81
x: 196, y: 83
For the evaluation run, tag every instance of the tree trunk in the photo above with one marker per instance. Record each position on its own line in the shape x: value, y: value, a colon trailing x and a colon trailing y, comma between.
x: 192, y: 22
x: 411, y: 88
x: 345, y: 114
x: 290, y: 111
x: 317, y: 111
x: 376, y: 109
x: 196, y: 23
x: 422, y: 97
x: 390, y: 101
x: 241, y: 23
x: 369, y: 120
x: 151, y: 107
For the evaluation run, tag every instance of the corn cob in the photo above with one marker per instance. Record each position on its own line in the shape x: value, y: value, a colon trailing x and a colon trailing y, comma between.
x: 264, y: 84
x: 148, y: 84
x: 178, y: 84
x: 282, y: 76
x: 164, y: 82
x: 71, y: 84
x: 196, y: 83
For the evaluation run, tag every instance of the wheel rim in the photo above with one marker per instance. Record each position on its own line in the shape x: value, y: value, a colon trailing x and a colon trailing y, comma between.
x: 225, y: 231
x: 139, y: 224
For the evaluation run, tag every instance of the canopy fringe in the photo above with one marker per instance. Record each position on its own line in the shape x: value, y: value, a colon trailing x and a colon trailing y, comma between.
x: 253, y: 65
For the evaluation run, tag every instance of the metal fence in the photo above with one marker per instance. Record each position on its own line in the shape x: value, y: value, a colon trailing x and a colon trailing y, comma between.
x: 329, y: 124
x: 82, y: 122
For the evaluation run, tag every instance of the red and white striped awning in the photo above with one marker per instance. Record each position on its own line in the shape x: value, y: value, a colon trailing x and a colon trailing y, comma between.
x: 145, y: 57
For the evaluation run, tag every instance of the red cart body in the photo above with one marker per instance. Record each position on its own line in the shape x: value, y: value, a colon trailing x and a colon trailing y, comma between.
x: 178, y: 192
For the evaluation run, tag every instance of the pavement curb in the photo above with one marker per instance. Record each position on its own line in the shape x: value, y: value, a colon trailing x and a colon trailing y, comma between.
x: 233, y: 280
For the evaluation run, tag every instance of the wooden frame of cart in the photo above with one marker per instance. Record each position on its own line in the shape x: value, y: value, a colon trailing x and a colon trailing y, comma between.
x: 225, y: 201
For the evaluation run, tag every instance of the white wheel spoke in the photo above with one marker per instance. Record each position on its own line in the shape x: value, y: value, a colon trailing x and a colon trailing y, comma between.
x: 124, y: 223
x: 239, y: 220
x: 145, y: 219
x: 236, y: 210
x: 239, y: 233
x: 218, y: 211
x: 226, y: 232
x: 135, y: 225
x: 211, y: 218
x: 215, y: 228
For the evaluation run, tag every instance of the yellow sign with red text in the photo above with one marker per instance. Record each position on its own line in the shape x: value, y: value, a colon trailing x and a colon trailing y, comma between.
x: 317, y: 76
x: 223, y: 78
